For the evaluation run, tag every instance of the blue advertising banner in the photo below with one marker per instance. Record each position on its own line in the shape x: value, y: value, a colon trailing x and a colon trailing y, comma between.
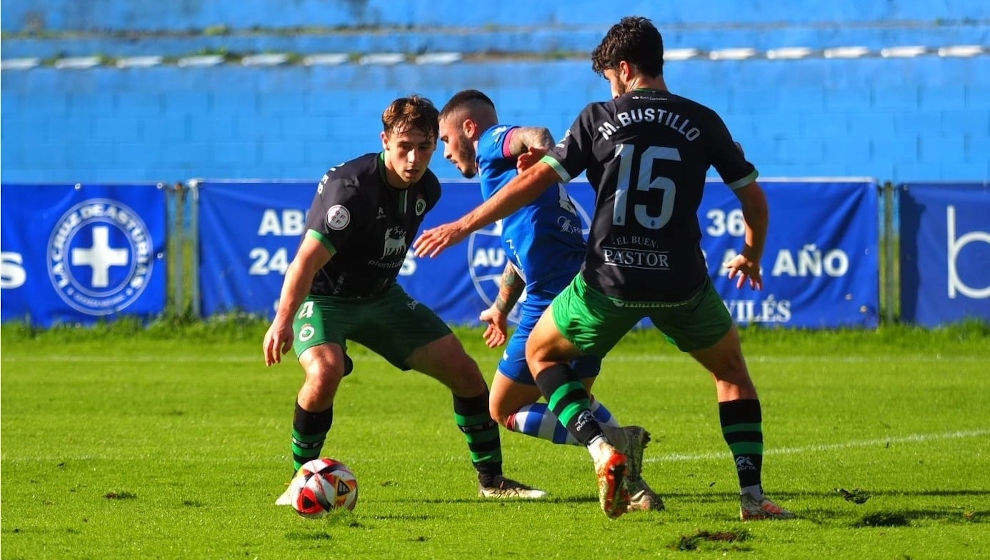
x: 248, y: 235
x: 820, y: 264
x: 945, y: 252
x: 82, y: 253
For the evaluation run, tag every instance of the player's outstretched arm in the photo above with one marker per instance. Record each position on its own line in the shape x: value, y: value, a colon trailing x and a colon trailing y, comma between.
x: 518, y: 192
x: 746, y: 265
x: 510, y: 288
x: 310, y: 258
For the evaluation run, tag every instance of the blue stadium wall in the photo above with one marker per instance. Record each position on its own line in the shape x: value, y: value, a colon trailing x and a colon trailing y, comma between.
x: 19, y: 15
x: 920, y: 118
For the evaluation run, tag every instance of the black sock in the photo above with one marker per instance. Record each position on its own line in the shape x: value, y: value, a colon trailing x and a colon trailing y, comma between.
x: 309, y: 430
x: 742, y: 429
x: 569, y: 401
x: 481, y: 432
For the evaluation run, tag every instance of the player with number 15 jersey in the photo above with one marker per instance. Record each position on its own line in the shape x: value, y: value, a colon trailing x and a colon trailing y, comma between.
x: 646, y: 153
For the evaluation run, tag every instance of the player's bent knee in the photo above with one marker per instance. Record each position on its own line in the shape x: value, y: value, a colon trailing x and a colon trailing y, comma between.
x: 733, y: 368
x: 499, y: 412
x: 323, y: 376
x: 468, y: 380
x: 462, y: 375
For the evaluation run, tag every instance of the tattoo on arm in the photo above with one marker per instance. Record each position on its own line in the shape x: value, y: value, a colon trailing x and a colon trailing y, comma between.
x: 526, y: 137
x: 511, y: 288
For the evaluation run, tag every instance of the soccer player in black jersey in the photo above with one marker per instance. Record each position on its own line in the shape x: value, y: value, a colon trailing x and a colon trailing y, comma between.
x: 341, y: 286
x: 646, y: 154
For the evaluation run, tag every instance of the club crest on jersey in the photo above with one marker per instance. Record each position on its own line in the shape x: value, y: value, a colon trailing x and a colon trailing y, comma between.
x: 338, y: 217
x: 100, y: 256
x: 420, y: 206
x: 395, y: 241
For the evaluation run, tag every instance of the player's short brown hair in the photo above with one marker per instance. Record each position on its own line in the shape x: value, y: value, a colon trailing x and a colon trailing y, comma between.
x: 633, y: 39
x: 414, y: 111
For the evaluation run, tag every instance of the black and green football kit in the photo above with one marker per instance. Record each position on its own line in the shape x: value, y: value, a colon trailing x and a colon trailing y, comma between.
x: 367, y: 225
x: 646, y: 154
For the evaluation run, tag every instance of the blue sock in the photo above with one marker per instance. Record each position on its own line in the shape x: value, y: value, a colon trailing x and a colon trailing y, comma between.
x: 536, y: 420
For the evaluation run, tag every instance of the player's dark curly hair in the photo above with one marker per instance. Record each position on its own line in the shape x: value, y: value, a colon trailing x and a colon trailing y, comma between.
x: 465, y: 98
x: 633, y: 39
x: 414, y: 111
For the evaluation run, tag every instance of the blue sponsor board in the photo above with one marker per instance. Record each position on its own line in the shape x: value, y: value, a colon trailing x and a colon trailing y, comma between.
x: 820, y: 263
x: 82, y: 253
x: 945, y: 252
x: 248, y: 235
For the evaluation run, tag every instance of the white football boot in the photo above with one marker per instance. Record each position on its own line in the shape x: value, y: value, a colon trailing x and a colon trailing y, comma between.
x: 505, y: 488
x: 291, y: 491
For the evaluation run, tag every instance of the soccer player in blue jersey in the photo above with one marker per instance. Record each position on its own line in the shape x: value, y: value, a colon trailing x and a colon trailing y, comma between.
x: 544, y: 250
x: 646, y: 153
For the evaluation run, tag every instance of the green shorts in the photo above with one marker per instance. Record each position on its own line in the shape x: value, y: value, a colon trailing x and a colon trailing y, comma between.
x: 595, y: 322
x: 392, y: 325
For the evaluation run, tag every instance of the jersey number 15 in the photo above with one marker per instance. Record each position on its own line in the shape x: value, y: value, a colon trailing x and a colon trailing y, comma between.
x: 625, y: 153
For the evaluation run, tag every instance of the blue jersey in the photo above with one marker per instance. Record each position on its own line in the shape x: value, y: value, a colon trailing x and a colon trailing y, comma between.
x: 542, y: 239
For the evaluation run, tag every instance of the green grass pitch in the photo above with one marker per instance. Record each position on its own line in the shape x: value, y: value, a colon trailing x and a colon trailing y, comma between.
x: 172, y: 442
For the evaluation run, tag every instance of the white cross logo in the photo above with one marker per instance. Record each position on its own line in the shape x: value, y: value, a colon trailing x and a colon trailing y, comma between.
x: 100, y: 257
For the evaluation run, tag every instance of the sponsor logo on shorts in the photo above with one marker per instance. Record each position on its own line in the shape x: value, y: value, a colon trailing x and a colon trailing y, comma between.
x: 100, y: 256
x: 306, y: 332
x: 338, y: 217
x: 636, y: 258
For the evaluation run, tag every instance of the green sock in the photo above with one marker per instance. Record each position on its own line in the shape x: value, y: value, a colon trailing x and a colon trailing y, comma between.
x: 569, y: 401
x: 309, y: 430
x: 481, y: 432
x: 743, y: 430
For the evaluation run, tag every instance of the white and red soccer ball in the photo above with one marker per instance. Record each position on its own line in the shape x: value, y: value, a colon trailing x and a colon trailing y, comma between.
x: 323, y: 485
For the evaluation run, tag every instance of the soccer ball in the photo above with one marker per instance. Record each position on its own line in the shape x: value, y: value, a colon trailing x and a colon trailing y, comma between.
x: 322, y: 485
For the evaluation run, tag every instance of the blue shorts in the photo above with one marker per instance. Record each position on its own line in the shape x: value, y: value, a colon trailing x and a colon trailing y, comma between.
x: 513, y: 364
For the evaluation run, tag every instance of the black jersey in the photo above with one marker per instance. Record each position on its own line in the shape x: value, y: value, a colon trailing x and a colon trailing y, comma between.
x: 367, y: 225
x: 646, y: 154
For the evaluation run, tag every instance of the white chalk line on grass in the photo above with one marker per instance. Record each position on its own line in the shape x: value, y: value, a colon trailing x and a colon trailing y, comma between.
x: 797, y: 358
x: 912, y: 438
x: 672, y: 457
x: 658, y: 358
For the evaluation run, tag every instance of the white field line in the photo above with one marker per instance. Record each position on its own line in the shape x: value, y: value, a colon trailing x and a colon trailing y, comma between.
x: 793, y: 358
x: 659, y: 358
x: 912, y: 438
x: 672, y: 457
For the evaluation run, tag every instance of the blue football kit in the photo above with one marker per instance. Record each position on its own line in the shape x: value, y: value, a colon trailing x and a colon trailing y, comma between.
x: 542, y: 240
